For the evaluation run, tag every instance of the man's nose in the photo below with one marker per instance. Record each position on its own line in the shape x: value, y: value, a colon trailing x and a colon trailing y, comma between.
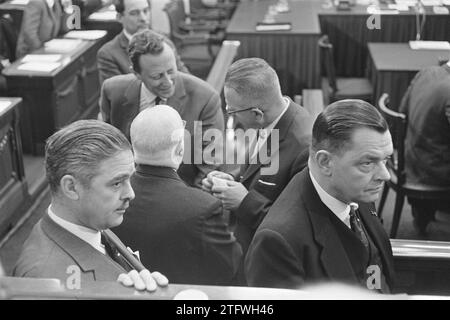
x: 128, y: 192
x: 383, y: 172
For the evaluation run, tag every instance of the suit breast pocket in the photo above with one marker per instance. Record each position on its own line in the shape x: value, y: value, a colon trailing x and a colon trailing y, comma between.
x: 267, y: 188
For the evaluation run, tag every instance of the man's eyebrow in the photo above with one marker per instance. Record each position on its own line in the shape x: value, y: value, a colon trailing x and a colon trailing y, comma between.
x: 123, y: 176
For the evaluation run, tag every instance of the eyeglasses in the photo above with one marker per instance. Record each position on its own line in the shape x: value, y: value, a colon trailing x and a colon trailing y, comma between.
x: 237, y: 111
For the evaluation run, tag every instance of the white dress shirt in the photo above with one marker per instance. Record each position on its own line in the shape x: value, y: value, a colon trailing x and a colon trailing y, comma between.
x: 339, y: 208
x: 147, y: 99
x: 92, y: 237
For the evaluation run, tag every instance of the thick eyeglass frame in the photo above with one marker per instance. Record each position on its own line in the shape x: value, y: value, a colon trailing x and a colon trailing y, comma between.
x: 237, y: 111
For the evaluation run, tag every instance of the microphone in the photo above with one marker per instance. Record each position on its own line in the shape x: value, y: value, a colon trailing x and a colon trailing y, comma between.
x: 419, y: 9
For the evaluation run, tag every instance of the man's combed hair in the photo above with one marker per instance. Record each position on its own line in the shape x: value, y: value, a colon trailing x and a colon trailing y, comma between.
x: 252, y: 78
x: 144, y: 42
x: 334, y: 126
x: 78, y: 148
x: 120, y: 5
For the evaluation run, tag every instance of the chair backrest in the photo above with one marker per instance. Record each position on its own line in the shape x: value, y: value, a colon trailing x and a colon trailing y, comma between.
x: 326, y: 51
x: 225, y: 57
x: 8, y: 38
x: 176, y: 14
x: 397, y: 123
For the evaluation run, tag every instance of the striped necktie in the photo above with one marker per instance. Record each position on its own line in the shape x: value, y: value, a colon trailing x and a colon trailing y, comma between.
x: 356, y: 225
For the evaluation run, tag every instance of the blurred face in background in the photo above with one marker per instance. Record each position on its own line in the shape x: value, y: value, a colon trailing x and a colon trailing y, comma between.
x: 136, y: 16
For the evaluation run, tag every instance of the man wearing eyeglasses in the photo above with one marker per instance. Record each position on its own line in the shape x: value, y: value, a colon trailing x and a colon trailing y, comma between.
x: 253, y: 96
x: 156, y: 80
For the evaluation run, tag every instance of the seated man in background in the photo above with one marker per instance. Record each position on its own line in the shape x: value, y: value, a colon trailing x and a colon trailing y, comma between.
x: 323, y: 226
x: 112, y: 58
x: 156, y: 79
x: 253, y: 95
x: 88, y: 165
x: 42, y: 21
x: 177, y: 229
x: 427, y: 144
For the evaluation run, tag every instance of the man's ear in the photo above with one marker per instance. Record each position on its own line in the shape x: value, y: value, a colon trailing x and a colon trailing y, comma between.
x: 70, y: 187
x: 259, y: 115
x: 324, y: 161
x: 119, y: 17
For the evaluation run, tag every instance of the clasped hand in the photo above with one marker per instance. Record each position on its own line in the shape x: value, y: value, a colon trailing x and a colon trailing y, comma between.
x: 231, y: 193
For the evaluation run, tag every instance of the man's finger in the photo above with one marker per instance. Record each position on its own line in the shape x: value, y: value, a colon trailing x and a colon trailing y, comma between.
x: 150, y: 283
x: 160, y: 279
x: 137, y: 281
x: 125, y: 280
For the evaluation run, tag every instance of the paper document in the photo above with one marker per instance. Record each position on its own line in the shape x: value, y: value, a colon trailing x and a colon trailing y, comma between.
x: 4, y: 104
x: 431, y: 2
x: 85, y: 34
x: 429, y: 45
x: 103, y: 15
x: 273, y: 27
x: 41, y: 58
x: 440, y: 10
x: 62, y: 45
x: 399, y: 7
x: 375, y: 10
x: 37, y: 66
x: 20, y: 2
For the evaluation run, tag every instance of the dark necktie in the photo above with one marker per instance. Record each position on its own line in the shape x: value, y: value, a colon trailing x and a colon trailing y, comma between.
x: 159, y: 101
x: 356, y: 225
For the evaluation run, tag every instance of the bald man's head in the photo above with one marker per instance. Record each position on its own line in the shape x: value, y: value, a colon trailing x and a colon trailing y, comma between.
x: 157, y: 137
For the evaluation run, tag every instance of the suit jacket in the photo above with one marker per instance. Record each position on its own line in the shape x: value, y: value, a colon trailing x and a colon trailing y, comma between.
x: 194, y: 99
x: 292, y: 156
x: 39, y: 24
x: 113, y: 59
x: 50, y: 250
x: 427, y: 144
x: 179, y: 230
x: 298, y: 243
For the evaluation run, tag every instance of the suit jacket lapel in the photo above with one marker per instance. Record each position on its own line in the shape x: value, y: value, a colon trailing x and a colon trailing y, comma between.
x: 176, y: 101
x: 87, y: 258
x: 123, y: 41
x: 132, y: 103
x: 283, y: 128
x: 333, y: 255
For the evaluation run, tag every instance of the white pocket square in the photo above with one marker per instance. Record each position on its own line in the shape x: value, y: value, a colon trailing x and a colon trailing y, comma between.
x: 266, y: 183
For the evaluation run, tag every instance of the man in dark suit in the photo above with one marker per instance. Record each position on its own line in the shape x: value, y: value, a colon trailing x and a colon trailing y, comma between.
x: 323, y: 226
x: 427, y: 144
x: 42, y: 21
x: 156, y: 79
x: 279, y: 131
x: 112, y: 57
x: 88, y: 164
x: 177, y: 229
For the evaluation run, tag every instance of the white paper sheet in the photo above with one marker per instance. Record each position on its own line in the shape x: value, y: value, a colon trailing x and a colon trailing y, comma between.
x: 38, y: 66
x: 62, y: 45
x: 20, y: 2
x: 4, y: 104
x: 41, y: 58
x: 440, y: 10
x: 85, y: 34
x: 429, y: 45
x: 103, y: 15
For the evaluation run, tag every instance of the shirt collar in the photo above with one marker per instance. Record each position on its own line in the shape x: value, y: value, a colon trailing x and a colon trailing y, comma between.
x: 92, y: 237
x: 127, y: 35
x: 264, y: 133
x: 339, y: 208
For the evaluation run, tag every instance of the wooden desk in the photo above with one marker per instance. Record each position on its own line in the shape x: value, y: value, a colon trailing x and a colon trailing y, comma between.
x: 394, y: 65
x: 293, y: 54
x: 56, y: 98
x: 13, y: 187
x: 349, y: 34
x: 422, y: 267
x: 104, y: 19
